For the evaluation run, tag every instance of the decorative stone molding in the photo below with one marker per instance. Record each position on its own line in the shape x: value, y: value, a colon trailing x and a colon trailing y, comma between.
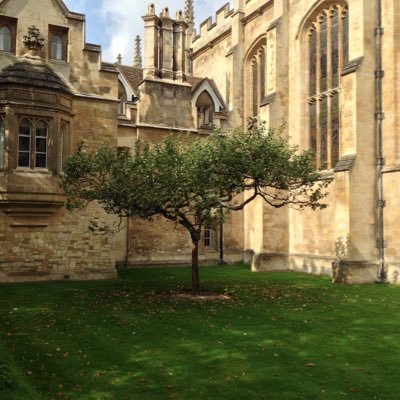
x: 352, y: 66
x: 34, y: 40
x: 345, y: 163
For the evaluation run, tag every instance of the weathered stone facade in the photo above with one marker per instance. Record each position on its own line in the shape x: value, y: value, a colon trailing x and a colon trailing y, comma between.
x: 312, y: 65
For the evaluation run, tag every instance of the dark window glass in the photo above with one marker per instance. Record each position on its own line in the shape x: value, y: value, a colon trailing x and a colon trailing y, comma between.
x: 41, y: 145
x: 41, y: 161
x: 335, y: 49
x: 207, y: 237
x: 24, y: 144
x: 313, y: 126
x: 335, y: 129
x: 313, y: 63
x: 24, y: 159
x: 324, y: 55
x: 255, y: 89
x: 262, y: 75
x: 345, y: 36
x: 324, y: 132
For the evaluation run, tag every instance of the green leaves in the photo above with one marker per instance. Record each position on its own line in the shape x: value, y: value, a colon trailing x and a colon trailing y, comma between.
x: 195, y: 182
x: 190, y: 180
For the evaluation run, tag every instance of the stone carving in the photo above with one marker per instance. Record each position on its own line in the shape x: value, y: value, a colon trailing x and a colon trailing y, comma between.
x: 34, y: 40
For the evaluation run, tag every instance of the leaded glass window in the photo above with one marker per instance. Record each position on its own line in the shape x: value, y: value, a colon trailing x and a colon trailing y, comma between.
x: 33, y: 137
x: 24, y: 144
x: 41, y: 145
x: 5, y: 38
x: 254, y: 67
x: 2, y: 142
x: 328, y: 48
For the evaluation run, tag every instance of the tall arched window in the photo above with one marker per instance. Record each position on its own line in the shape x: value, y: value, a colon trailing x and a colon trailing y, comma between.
x: 328, y: 47
x: 24, y: 143
x: 5, y: 38
x: 258, y: 65
x: 2, y: 142
x: 57, y: 47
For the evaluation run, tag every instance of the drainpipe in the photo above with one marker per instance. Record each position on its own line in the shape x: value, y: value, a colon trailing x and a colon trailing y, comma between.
x: 379, y: 117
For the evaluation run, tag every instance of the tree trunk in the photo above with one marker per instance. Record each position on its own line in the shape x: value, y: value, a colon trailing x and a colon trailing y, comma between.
x: 195, y: 268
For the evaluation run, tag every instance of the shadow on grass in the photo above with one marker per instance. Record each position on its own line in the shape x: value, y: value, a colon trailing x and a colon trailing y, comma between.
x: 282, y: 336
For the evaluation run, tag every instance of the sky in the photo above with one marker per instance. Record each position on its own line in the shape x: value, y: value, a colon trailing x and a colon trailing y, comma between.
x: 114, y: 24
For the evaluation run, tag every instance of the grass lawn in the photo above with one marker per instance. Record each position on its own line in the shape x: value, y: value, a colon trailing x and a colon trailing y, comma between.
x: 282, y: 336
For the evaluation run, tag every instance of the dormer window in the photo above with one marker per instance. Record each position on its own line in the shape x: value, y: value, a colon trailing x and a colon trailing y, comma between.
x: 5, y: 38
x: 58, y: 43
x: 57, y: 47
x: 7, y: 34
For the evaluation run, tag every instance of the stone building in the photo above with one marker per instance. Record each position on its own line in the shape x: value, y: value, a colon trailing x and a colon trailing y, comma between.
x: 327, y: 69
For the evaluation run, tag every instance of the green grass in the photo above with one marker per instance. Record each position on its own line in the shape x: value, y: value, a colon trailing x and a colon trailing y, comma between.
x: 282, y: 336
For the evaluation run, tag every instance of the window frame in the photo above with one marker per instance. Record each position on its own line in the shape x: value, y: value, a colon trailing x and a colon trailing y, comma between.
x: 33, y: 143
x: 257, y: 77
x: 11, y: 24
x: 62, y: 33
x: 324, y: 92
x: 210, y: 238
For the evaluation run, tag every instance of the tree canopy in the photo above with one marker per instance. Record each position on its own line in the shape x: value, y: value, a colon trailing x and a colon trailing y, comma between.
x: 195, y: 182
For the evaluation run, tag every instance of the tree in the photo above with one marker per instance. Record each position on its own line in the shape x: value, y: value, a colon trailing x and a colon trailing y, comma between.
x: 195, y: 182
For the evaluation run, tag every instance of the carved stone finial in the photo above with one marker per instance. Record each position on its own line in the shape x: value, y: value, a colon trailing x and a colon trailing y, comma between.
x: 179, y: 15
x: 165, y: 12
x: 189, y: 12
x: 34, y: 40
x: 151, y: 9
x: 137, y: 62
x: 119, y: 59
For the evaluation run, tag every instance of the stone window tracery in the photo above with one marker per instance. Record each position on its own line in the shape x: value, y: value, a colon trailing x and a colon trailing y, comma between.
x: 328, y: 47
x: 33, y: 138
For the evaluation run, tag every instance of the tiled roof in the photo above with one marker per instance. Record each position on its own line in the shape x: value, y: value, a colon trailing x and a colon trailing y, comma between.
x: 33, y: 73
x: 133, y: 75
x: 196, y: 82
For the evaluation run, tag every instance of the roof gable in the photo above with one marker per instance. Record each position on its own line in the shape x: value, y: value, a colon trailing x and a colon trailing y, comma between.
x: 57, y: 3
